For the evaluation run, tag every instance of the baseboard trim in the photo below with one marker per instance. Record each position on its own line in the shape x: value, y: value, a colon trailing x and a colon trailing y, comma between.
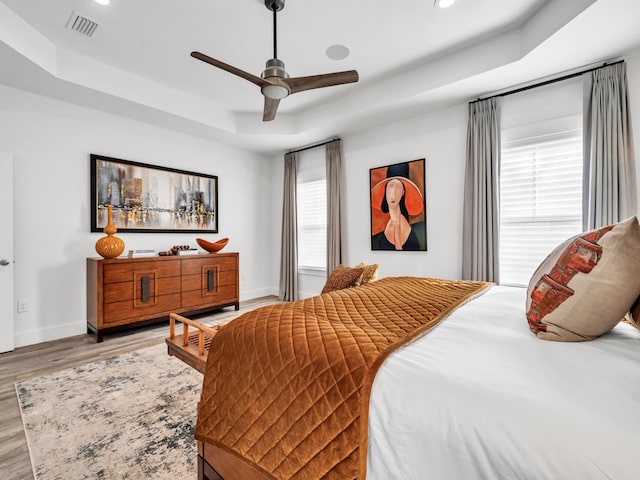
x: 259, y: 293
x: 47, y: 334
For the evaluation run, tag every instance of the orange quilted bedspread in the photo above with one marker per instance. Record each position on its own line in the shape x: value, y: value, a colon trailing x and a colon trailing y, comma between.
x: 286, y: 387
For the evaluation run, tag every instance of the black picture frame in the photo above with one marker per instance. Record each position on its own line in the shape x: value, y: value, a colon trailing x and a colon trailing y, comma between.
x: 152, y: 199
x: 409, y: 205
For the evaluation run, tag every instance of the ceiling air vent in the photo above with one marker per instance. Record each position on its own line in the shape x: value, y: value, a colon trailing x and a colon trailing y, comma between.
x: 81, y: 24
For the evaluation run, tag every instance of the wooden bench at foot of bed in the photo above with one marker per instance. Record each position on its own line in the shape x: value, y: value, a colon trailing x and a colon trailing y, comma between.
x: 190, y: 347
x: 193, y: 348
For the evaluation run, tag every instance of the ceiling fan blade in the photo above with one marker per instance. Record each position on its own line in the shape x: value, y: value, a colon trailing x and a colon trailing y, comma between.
x: 229, y: 68
x: 270, y: 109
x: 299, y: 84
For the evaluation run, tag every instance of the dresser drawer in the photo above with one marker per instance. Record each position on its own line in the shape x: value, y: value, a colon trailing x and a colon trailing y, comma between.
x: 127, y: 310
x: 123, y: 272
x: 211, y: 280
x: 136, y: 289
x: 223, y: 295
x: 195, y: 266
x: 205, y: 281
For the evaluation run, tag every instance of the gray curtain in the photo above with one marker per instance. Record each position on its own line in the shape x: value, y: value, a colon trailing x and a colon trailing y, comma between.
x: 481, y: 192
x: 335, y: 236
x: 289, y: 244
x: 609, y: 184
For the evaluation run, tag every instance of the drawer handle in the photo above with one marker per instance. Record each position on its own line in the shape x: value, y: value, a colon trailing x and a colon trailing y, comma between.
x: 146, y: 289
x: 210, y: 282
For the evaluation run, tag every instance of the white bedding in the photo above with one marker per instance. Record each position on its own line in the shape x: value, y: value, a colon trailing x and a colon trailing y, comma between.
x: 480, y: 397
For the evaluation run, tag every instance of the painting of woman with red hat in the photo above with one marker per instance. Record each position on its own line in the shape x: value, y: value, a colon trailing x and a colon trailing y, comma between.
x: 398, y: 207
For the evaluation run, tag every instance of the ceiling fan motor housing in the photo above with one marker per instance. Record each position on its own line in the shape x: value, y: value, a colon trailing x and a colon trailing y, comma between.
x: 274, y: 68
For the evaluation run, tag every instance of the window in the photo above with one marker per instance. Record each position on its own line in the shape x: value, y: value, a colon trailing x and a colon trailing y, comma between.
x: 311, y: 204
x: 312, y: 221
x: 540, y: 200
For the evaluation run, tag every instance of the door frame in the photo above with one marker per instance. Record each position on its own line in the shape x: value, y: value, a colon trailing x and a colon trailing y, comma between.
x: 7, y: 273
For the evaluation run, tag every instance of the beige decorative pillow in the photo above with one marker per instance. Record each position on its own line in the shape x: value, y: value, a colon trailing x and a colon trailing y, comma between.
x: 586, y: 285
x: 370, y: 273
x: 633, y: 316
x: 343, y: 277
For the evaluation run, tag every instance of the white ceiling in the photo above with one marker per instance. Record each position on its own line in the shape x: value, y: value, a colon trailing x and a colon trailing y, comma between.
x: 411, y: 56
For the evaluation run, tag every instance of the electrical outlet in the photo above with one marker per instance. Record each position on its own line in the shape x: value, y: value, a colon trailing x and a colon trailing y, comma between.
x: 23, y: 306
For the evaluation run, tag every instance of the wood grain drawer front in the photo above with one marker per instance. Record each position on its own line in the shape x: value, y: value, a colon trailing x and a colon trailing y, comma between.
x: 221, y: 296
x: 148, y: 293
x: 210, y: 281
x: 124, y: 311
x: 124, y: 272
x: 118, y: 292
x: 194, y: 266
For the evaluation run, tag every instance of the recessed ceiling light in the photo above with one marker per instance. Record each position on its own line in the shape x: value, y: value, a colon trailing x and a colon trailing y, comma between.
x: 337, y: 52
x: 102, y: 2
x: 445, y: 3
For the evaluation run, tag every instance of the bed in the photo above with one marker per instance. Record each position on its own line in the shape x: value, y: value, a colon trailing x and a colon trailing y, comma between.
x: 469, y: 394
x: 484, y: 398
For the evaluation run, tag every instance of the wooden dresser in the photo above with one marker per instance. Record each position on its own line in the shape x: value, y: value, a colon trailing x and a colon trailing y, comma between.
x: 127, y: 292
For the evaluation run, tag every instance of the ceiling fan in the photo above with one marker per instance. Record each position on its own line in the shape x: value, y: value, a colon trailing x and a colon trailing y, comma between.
x: 275, y: 84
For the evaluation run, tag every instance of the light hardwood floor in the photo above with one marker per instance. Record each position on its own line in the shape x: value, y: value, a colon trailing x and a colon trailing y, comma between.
x: 41, y: 359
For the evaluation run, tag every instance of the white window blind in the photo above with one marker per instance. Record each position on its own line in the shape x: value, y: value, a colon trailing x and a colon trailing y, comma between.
x: 540, y: 200
x: 312, y: 223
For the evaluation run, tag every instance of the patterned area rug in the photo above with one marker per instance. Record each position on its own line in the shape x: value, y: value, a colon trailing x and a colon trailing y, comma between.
x: 131, y: 416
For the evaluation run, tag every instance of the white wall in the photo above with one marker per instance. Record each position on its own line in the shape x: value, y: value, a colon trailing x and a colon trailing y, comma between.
x: 438, y: 137
x: 51, y: 142
x: 531, y: 113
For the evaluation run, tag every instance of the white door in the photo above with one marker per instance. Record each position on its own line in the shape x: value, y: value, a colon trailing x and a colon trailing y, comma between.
x: 6, y: 253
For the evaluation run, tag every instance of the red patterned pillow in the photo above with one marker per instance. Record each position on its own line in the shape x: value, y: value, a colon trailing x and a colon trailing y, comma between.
x: 343, y: 277
x: 587, y: 284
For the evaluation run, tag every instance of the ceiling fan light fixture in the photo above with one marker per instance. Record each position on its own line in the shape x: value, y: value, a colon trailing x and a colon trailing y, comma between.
x: 275, y: 92
x: 444, y: 3
x: 102, y: 2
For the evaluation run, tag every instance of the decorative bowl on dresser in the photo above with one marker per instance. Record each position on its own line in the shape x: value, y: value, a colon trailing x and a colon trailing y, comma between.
x: 127, y: 292
x: 212, y: 247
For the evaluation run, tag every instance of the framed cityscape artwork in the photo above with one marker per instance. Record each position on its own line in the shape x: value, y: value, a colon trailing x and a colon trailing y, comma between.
x: 398, y: 206
x: 147, y: 198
